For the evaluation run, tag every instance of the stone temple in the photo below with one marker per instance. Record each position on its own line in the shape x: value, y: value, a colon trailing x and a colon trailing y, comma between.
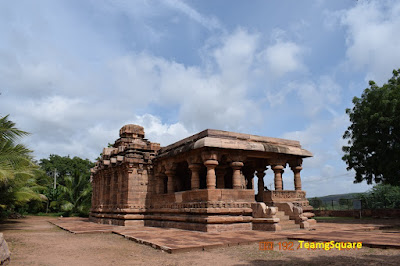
x: 204, y: 182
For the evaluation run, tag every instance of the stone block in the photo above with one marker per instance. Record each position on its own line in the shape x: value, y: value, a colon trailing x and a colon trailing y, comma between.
x: 304, y: 225
x: 260, y: 210
x: 266, y: 227
x: 308, y: 214
x: 5, y: 254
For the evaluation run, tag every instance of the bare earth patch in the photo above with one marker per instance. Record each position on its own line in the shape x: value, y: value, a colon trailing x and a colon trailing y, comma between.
x: 34, y: 241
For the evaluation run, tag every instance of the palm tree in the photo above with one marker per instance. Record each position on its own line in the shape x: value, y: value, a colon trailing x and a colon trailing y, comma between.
x: 76, y: 194
x: 17, y: 170
x: 14, y: 158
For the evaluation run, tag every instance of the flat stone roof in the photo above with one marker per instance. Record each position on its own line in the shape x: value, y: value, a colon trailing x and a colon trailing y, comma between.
x: 231, y: 140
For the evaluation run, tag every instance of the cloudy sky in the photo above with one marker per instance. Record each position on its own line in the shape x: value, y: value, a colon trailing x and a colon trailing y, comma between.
x: 73, y: 72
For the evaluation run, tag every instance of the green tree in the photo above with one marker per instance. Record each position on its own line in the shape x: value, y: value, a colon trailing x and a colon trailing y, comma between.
x: 345, y: 202
x: 76, y: 194
x: 66, y: 197
x: 18, y: 173
x: 64, y: 166
x: 373, y: 149
x: 382, y: 196
x: 316, y: 202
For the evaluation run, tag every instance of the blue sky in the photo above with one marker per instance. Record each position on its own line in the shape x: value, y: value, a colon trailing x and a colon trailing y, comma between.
x: 73, y: 72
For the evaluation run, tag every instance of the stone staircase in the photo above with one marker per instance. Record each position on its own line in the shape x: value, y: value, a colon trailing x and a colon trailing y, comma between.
x: 285, y: 222
x: 277, y: 218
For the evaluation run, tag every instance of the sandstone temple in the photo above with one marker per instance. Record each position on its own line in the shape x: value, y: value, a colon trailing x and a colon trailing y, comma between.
x: 204, y: 182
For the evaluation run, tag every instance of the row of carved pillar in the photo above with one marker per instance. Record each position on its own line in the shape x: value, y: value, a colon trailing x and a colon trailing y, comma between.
x: 214, y: 177
x: 109, y: 188
x: 278, y: 171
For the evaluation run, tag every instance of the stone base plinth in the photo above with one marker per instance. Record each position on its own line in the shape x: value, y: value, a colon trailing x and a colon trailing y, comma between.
x: 266, y: 227
x: 117, y: 218
x: 200, y: 226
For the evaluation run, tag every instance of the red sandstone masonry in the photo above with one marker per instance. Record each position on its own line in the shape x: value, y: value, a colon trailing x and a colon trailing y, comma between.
x: 203, y: 182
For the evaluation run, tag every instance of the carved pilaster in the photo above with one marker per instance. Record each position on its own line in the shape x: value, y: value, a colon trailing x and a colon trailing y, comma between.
x: 170, y: 172
x: 296, y: 168
x: 171, y: 176
x: 211, y: 177
x: 278, y: 171
x: 236, y: 177
x: 195, y: 180
x: 119, y: 176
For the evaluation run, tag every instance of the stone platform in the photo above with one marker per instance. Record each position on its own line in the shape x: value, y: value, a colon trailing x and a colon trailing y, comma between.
x: 175, y: 240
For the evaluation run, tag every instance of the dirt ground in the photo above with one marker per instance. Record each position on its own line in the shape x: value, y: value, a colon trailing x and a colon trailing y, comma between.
x: 34, y: 241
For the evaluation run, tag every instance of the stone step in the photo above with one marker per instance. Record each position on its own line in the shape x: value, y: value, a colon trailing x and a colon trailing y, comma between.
x: 290, y: 227
x: 282, y: 216
x: 287, y: 222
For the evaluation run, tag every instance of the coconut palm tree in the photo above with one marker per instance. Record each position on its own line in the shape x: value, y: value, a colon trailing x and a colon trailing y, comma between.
x: 76, y: 194
x: 14, y: 158
x: 17, y: 170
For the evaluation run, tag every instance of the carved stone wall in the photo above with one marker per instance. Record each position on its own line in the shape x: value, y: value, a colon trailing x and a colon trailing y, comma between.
x: 204, y: 182
x: 122, y: 176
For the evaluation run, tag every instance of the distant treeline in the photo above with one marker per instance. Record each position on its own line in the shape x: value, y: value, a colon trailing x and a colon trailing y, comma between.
x: 57, y: 184
x: 381, y: 196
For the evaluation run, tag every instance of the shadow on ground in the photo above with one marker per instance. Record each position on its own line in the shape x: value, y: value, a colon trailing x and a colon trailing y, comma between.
x: 10, y: 225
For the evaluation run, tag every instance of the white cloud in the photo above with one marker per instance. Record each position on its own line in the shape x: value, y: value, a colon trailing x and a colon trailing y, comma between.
x: 314, y: 96
x: 283, y: 57
x: 210, y: 23
x: 373, y: 40
x: 203, y: 99
x: 163, y: 133
x: 235, y: 56
x: 324, y: 140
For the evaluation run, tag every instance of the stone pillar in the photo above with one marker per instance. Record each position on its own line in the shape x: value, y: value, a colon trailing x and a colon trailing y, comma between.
x: 103, y: 188
x: 157, y: 186
x: 260, y: 174
x: 195, y: 179
x: 97, y: 186
x: 278, y: 171
x: 119, y: 191
x: 112, y: 184
x: 211, y: 178
x: 297, y: 180
x: 236, y: 177
x: 170, y: 185
x: 107, y: 190
x: 93, y: 192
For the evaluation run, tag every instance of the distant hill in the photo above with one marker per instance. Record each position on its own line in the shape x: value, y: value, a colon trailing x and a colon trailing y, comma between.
x: 336, y: 197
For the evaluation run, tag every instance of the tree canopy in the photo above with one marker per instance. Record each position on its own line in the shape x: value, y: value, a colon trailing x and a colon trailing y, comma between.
x: 65, y: 166
x: 25, y: 188
x: 73, y: 192
x: 18, y: 173
x: 373, y: 150
x: 381, y: 196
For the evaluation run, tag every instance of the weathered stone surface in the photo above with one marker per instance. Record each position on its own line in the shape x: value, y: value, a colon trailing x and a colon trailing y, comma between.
x: 5, y: 254
x: 231, y: 140
x: 203, y: 182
